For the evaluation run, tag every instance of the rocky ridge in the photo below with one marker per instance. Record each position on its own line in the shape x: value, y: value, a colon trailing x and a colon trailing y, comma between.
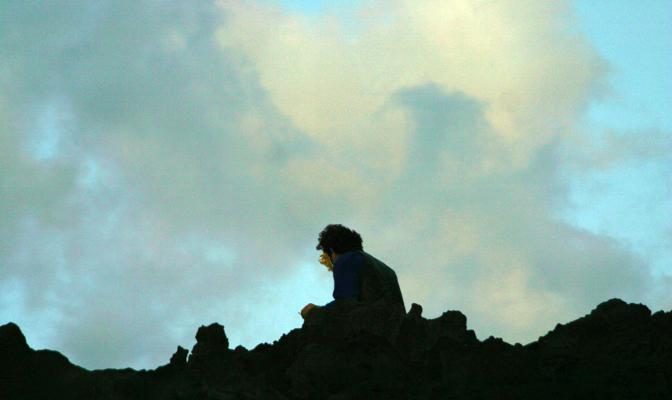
x: 618, y: 351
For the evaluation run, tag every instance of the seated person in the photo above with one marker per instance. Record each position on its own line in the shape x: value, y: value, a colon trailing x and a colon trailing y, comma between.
x: 358, y: 276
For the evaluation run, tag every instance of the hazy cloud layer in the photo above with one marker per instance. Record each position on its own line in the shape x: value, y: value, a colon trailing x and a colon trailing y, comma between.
x: 166, y: 164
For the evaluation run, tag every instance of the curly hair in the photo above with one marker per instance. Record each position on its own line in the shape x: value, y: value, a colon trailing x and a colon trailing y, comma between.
x: 337, y: 238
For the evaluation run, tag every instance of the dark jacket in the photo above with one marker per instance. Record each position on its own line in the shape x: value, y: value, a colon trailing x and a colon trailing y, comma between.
x: 379, y: 283
x: 358, y: 275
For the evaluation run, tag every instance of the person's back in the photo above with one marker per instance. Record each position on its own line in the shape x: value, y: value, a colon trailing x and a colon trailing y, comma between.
x: 378, y: 282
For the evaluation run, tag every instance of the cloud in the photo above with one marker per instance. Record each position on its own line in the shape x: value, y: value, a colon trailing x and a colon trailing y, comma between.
x: 166, y: 165
x: 140, y: 176
x: 491, y: 234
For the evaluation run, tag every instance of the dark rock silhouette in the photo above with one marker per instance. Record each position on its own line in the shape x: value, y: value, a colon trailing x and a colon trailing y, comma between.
x: 618, y: 351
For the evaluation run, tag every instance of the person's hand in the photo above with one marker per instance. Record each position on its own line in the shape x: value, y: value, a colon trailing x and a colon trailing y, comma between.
x: 306, y: 309
x: 326, y: 261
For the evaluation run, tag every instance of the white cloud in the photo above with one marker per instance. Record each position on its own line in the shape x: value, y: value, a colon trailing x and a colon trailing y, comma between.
x: 203, y: 147
x: 480, y: 95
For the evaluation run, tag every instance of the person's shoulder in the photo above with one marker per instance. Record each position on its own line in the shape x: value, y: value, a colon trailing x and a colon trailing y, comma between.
x: 377, y: 263
x: 353, y: 259
x: 352, y: 256
x: 369, y: 257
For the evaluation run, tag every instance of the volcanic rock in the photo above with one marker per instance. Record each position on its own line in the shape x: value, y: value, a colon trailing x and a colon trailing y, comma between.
x: 617, y: 351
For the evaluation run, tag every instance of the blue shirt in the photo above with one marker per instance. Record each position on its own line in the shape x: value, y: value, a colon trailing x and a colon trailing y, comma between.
x: 347, y: 269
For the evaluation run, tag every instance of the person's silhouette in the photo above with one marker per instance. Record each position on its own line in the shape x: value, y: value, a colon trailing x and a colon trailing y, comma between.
x: 357, y: 275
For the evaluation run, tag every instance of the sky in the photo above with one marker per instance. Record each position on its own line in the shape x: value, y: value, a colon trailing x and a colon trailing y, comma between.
x: 168, y: 164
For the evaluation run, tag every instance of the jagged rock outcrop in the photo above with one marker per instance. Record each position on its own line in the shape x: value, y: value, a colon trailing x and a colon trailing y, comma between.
x: 618, y: 351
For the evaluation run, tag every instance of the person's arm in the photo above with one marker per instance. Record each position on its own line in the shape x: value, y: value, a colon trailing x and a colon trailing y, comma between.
x: 346, y: 278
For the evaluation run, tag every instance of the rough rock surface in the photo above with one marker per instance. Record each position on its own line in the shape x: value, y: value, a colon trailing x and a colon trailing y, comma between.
x: 618, y: 351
